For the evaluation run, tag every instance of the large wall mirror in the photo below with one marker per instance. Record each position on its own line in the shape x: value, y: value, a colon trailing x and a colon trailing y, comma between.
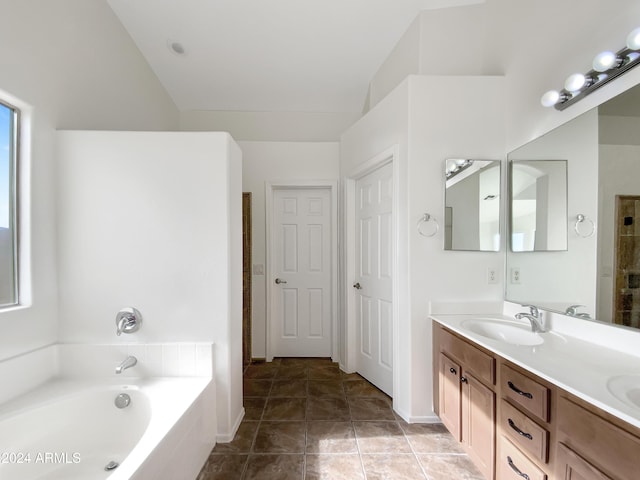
x: 600, y: 268
x: 472, y: 205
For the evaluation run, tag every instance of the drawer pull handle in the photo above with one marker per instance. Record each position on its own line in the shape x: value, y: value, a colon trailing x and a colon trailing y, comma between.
x: 453, y: 370
x: 463, y: 379
x: 520, y: 432
x: 518, y: 391
x: 515, y: 469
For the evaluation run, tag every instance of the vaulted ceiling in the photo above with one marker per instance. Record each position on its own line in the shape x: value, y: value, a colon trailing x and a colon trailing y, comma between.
x: 269, y: 55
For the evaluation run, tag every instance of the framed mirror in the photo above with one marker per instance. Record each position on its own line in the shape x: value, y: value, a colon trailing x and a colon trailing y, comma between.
x: 538, y: 205
x: 472, y: 205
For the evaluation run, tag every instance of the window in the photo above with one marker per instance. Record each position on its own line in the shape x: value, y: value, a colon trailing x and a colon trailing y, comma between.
x: 9, y: 117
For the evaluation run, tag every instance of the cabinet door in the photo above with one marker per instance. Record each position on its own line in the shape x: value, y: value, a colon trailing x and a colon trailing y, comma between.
x: 478, y: 423
x: 449, y: 395
x: 571, y: 466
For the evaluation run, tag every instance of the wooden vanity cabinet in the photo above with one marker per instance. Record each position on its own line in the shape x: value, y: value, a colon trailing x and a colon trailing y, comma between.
x: 594, y: 445
x: 535, y: 430
x: 466, y: 398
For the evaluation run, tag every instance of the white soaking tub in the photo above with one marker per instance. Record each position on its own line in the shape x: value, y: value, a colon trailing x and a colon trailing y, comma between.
x: 72, y: 429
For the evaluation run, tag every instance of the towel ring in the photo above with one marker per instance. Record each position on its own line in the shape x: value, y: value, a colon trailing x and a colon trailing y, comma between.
x: 426, y: 218
x: 581, y: 219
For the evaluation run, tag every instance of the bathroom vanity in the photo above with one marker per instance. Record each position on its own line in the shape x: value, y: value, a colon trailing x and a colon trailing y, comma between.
x: 536, y: 406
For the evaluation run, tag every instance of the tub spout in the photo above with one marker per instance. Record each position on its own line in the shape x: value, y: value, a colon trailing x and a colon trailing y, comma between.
x: 128, y: 362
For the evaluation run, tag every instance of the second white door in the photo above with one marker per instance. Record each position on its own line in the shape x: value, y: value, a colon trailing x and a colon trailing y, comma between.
x: 301, y: 272
x: 373, y: 285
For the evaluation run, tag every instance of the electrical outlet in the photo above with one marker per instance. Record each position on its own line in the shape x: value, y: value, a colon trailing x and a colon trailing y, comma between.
x: 492, y: 276
x: 515, y: 275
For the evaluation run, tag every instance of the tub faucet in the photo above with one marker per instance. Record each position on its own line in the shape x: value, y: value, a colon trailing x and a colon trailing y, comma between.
x: 535, y: 318
x: 128, y: 362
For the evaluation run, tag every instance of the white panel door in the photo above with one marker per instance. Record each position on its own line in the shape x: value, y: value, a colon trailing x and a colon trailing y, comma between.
x: 373, y: 285
x: 301, y: 272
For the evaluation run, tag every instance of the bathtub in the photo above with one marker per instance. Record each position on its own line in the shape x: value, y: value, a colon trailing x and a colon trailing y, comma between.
x: 69, y: 429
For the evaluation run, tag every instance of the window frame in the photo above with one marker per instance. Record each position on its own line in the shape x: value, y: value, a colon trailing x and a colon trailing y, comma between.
x: 14, y: 208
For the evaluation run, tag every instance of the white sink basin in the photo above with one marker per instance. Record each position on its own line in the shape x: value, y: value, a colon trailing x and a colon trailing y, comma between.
x: 626, y: 388
x: 504, y: 331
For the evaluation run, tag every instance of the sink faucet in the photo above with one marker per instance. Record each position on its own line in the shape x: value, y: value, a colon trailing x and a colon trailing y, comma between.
x: 128, y: 362
x: 535, y: 317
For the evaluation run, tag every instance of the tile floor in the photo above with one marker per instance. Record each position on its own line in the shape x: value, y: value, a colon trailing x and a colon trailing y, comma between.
x: 307, y: 420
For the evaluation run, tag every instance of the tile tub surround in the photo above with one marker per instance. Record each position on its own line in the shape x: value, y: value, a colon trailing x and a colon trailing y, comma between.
x: 305, y: 419
x: 89, y: 361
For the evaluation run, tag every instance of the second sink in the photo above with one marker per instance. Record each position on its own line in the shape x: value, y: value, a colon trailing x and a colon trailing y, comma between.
x: 626, y: 388
x: 508, y: 332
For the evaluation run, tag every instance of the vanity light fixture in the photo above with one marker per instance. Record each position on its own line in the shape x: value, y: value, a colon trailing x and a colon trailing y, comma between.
x: 454, y: 167
x: 606, y: 67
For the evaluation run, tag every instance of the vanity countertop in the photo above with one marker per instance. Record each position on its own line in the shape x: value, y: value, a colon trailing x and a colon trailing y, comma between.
x: 583, y: 368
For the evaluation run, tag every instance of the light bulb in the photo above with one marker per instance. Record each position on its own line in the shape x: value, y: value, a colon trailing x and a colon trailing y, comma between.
x: 633, y: 40
x: 550, y: 98
x: 605, y: 61
x: 575, y: 82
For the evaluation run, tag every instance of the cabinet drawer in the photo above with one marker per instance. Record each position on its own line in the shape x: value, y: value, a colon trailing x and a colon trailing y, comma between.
x: 512, y: 464
x: 572, y: 466
x: 524, y: 432
x: 481, y: 364
x: 526, y: 392
x: 603, y: 444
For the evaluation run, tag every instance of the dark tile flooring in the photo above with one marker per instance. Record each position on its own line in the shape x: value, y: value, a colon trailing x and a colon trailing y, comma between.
x: 307, y: 420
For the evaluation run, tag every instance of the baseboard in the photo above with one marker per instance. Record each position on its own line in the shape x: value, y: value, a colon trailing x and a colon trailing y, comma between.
x: 425, y: 419
x: 418, y: 419
x: 228, y: 437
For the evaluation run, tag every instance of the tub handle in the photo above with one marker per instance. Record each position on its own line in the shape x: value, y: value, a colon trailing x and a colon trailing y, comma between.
x: 128, y: 320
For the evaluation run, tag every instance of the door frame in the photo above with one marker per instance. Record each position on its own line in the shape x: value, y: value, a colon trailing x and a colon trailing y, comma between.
x: 390, y: 155
x: 270, y: 188
x: 247, y: 284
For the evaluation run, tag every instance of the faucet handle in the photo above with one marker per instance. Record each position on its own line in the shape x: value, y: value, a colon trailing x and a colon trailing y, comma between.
x: 573, y: 309
x: 128, y: 320
x: 534, y: 310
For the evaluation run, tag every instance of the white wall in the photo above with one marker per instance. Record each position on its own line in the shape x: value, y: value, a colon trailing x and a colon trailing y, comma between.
x: 67, y: 63
x: 460, y: 40
x: 152, y: 220
x: 536, y: 45
x: 277, y: 161
x: 427, y: 128
x: 404, y: 60
x: 271, y: 126
x: 470, y: 127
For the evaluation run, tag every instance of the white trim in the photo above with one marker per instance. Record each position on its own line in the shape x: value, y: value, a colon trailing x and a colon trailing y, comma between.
x: 228, y: 437
x: 431, y: 419
x: 389, y: 155
x: 332, y: 186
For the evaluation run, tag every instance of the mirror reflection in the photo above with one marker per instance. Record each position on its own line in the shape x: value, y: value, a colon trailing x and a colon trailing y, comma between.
x: 472, y: 205
x: 598, y: 276
x: 538, y: 205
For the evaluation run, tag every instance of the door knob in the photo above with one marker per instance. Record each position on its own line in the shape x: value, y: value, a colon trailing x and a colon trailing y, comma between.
x: 279, y: 281
x: 357, y: 286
